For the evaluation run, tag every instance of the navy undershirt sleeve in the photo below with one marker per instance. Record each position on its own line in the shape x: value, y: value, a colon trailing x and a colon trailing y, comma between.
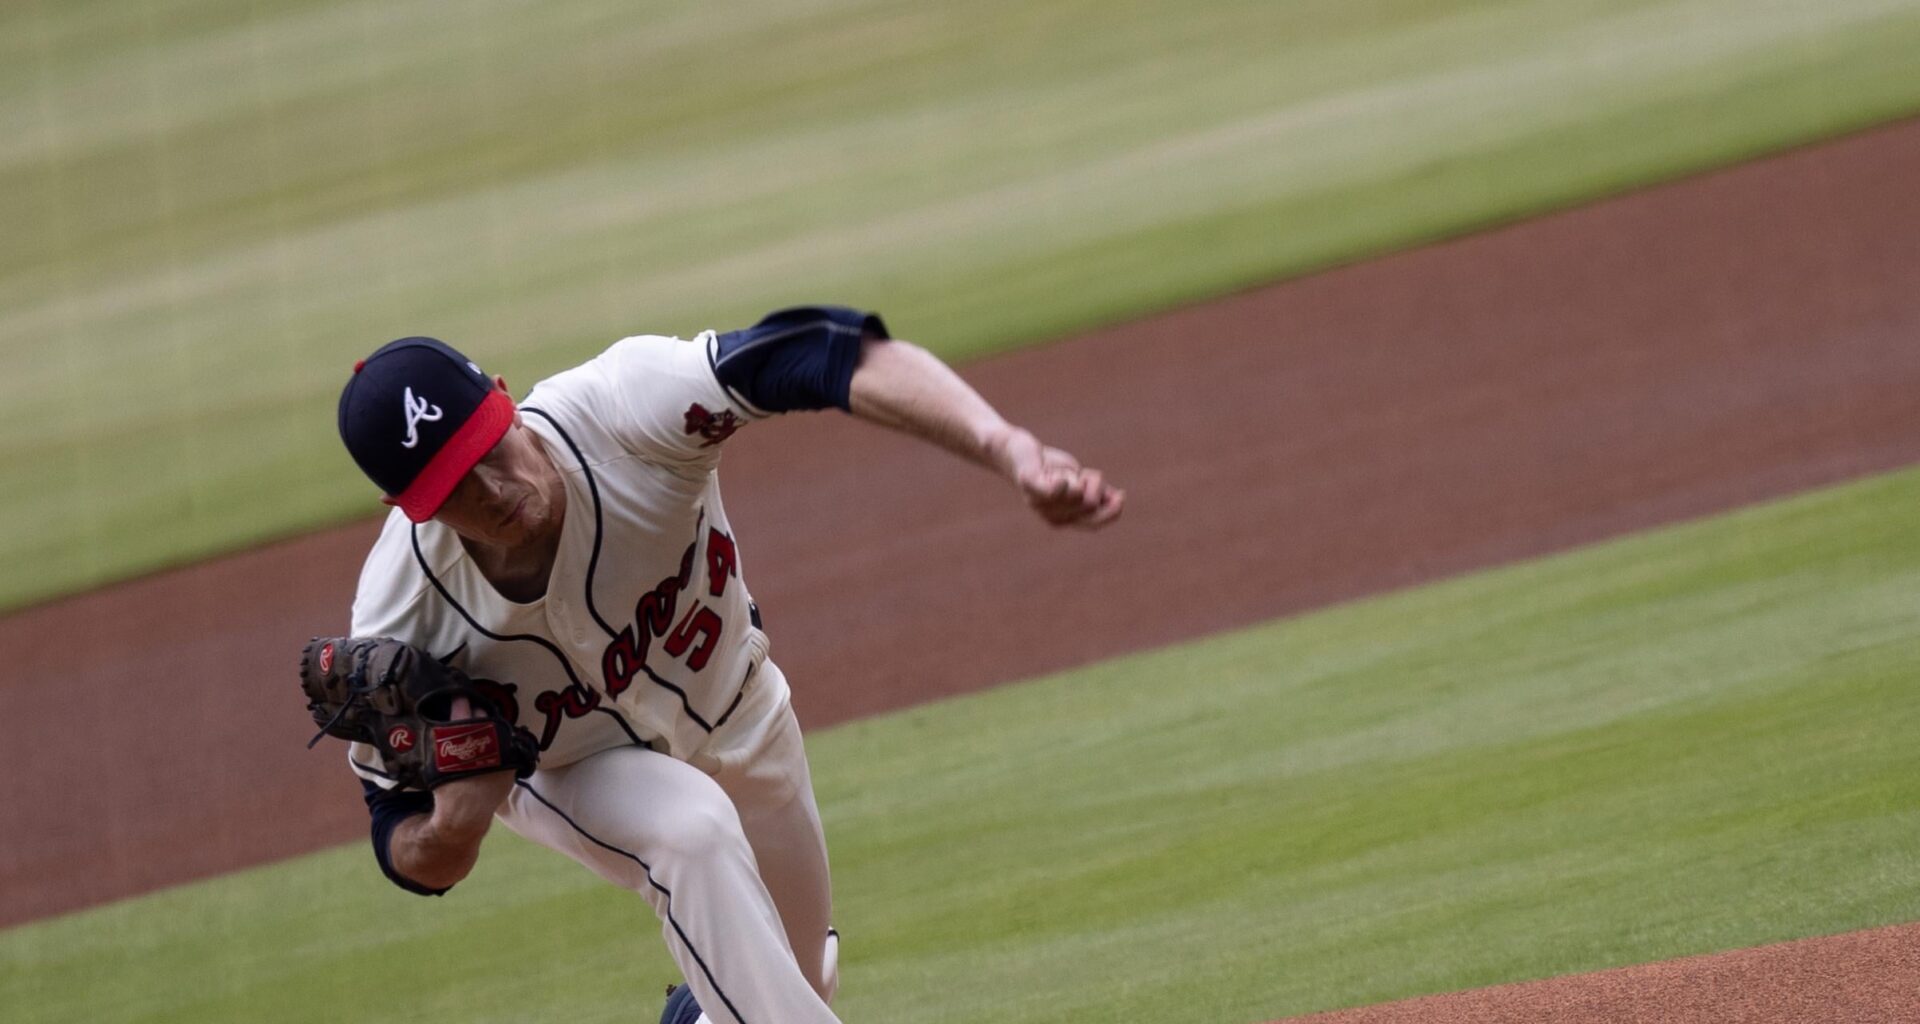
x: 799, y: 358
x: 389, y: 807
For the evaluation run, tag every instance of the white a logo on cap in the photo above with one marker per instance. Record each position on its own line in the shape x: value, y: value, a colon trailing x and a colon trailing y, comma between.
x: 417, y: 411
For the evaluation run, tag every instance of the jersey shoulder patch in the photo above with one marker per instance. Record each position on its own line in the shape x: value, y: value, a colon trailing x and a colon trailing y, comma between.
x: 658, y: 398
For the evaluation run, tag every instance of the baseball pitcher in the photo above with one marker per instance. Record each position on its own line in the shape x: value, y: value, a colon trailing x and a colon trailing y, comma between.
x: 555, y: 628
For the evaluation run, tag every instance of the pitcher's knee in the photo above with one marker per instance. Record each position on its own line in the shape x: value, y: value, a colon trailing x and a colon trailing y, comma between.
x: 697, y: 832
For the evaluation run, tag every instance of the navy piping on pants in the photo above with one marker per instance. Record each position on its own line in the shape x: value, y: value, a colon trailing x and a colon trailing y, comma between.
x: 595, y: 840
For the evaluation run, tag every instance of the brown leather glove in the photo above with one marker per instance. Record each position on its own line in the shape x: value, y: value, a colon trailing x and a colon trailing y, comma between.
x: 401, y: 701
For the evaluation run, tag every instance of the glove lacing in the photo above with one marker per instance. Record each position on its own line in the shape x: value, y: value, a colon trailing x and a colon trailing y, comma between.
x: 357, y: 690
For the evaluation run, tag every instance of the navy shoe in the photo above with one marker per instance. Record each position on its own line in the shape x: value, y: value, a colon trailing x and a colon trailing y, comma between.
x: 681, y: 1008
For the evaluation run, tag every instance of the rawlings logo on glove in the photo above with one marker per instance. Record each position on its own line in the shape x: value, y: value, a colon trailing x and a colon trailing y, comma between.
x: 389, y: 695
x: 460, y: 748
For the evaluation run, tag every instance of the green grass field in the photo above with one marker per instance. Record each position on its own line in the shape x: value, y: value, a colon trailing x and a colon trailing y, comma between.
x: 214, y: 206
x: 1695, y: 739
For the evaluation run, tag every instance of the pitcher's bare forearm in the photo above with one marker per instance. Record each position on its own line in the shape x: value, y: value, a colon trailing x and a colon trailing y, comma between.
x: 904, y: 387
x: 438, y: 849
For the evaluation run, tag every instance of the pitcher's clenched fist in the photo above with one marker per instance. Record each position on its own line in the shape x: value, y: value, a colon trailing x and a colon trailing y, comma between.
x: 1061, y: 490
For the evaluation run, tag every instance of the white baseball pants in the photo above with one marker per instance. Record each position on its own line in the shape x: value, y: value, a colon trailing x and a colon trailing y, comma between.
x: 727, y: 848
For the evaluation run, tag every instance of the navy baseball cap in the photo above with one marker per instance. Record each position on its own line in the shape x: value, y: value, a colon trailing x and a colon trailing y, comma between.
x: 416, y: 415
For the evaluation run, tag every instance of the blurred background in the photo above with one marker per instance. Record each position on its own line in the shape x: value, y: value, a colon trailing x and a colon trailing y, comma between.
x: 213, y: 207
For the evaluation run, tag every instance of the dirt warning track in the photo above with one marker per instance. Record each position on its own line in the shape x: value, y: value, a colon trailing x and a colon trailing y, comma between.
x: 1667, y: 355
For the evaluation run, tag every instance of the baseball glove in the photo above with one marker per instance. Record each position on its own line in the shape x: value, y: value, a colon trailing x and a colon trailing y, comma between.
x: 403, y: 703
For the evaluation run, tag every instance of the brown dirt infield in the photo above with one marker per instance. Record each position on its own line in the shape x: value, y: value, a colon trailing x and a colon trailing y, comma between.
x: 1671, y: 354
x: 1868, y: 977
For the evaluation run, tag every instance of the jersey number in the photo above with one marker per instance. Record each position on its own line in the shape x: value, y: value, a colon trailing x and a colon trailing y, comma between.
x: 699, y: 624
x: 693, y: 638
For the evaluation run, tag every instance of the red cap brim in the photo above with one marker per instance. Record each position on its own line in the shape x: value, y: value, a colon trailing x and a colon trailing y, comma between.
x: 468, y: 445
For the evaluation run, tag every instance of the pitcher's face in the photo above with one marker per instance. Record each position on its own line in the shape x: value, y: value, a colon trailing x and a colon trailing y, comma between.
x: 507, y: 499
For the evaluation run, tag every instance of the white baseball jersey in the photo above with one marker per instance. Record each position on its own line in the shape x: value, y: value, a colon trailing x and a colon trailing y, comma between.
x: 647, y: 631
